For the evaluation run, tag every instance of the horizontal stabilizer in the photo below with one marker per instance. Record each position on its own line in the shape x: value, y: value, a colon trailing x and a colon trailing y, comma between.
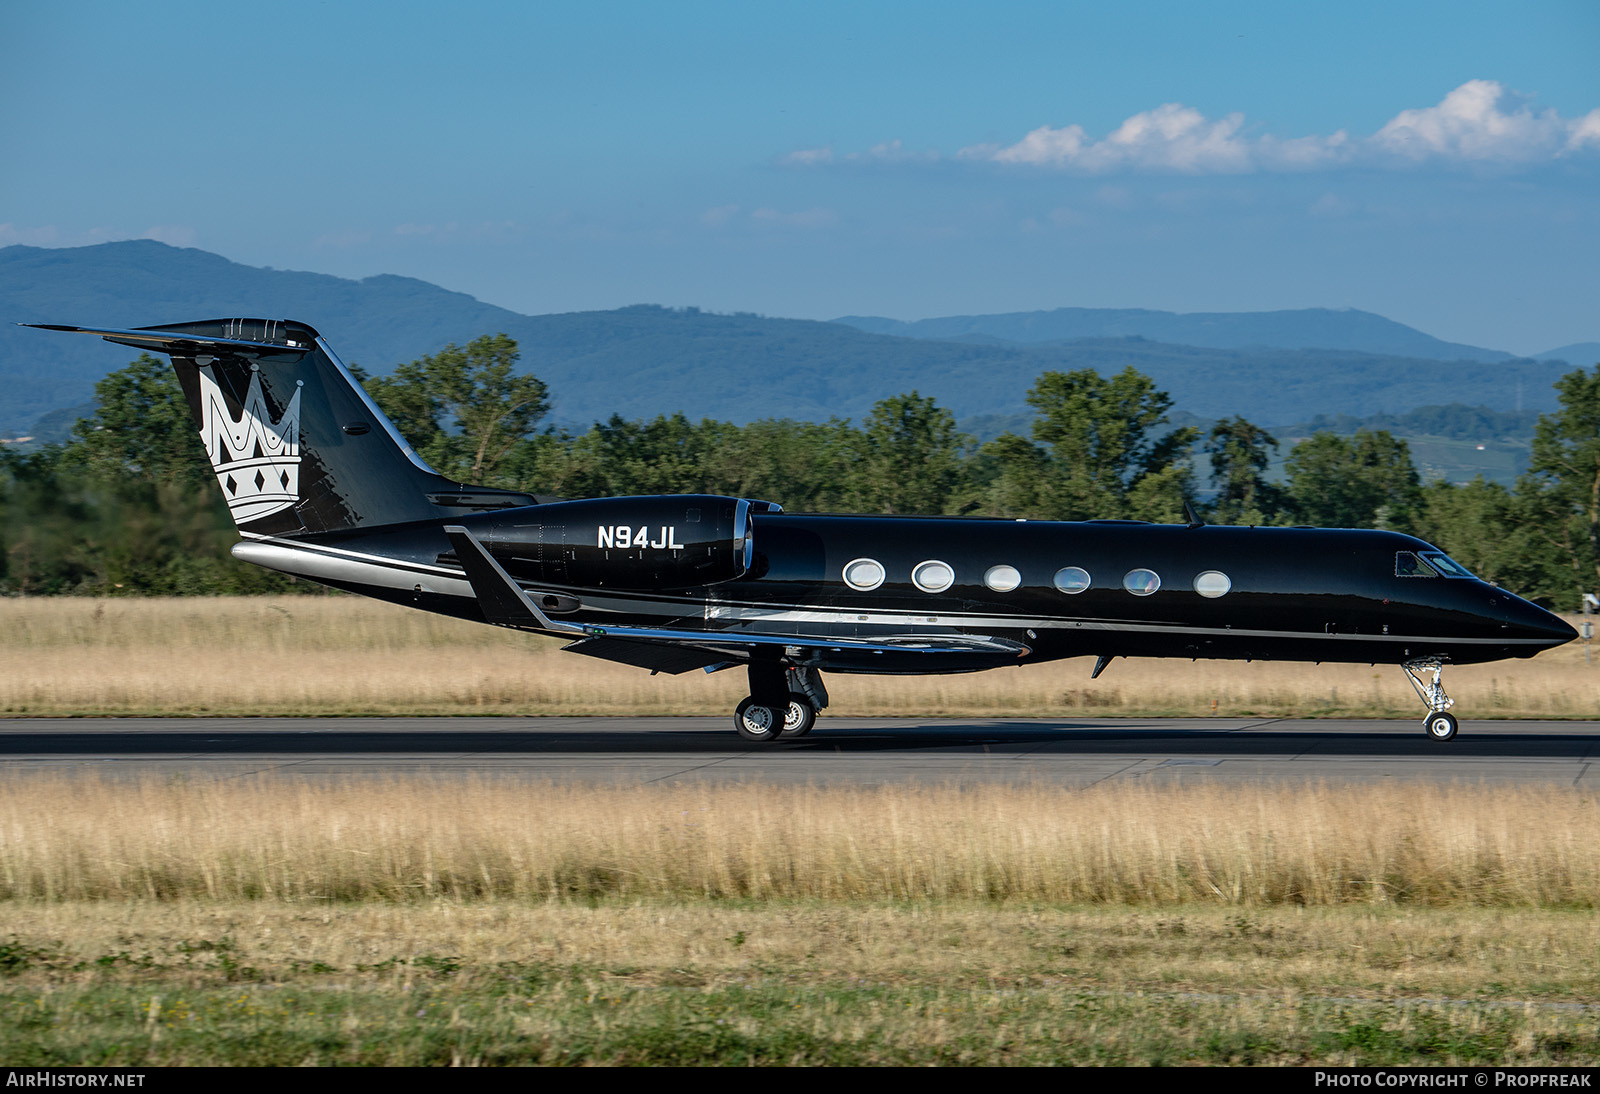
x: 189, y: 344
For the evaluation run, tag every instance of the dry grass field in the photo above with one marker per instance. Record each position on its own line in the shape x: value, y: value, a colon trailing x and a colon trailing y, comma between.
x: 345, y: 655
x: 421, y: 921
x: 418, y: 839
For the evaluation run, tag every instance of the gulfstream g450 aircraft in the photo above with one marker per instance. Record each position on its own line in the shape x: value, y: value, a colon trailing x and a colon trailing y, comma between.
x: 322, y: 485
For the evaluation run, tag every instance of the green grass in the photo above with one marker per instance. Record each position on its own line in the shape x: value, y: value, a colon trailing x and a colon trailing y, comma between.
x: 713, y: 983
x: 507, y: 1021
x: 412, y: 1013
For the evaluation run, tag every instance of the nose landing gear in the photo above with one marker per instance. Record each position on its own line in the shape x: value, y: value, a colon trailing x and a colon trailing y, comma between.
x: 1440, y: 724
x: 759, y: 719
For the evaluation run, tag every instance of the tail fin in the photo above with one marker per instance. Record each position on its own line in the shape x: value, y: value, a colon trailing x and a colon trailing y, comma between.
x: 297, y: 445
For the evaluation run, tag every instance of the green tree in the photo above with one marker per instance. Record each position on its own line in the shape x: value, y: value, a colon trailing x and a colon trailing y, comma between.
x: 1362, y: 481
x: 1240, y: 452
x: 668, y: 454
x: 491, y: 410
x: 910, y: 457
x: 142, y: 430
x: 1486, y: 528
x: 130, y: 506
x: 1096, y: 452
x: 1562, y: 487
x: 803, y: 466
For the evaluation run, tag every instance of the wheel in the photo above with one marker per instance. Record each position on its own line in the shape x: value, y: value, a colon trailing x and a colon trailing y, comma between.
x: 799, y: 718
x: 1441, y: 725
x: 756, y: 723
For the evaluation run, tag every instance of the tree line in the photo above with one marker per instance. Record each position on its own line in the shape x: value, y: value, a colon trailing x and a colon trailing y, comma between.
x: 129, y: 506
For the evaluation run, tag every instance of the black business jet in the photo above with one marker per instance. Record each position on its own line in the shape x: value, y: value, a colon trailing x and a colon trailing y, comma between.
x: 323, y: 486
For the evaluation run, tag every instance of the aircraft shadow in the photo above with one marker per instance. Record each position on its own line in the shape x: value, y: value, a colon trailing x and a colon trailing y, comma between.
x: 997, y: 739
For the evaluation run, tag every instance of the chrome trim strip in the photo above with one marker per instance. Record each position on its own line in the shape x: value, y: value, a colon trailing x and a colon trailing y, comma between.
x: 310, y: 564
x: 903, y: 619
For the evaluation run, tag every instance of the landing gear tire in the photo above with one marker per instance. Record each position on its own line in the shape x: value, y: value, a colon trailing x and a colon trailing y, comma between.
x: 756, y: 723
x: 799, y: 718
x: 1441, y: 725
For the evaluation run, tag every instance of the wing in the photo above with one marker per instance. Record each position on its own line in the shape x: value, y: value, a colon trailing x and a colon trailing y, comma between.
x: 506, y: 603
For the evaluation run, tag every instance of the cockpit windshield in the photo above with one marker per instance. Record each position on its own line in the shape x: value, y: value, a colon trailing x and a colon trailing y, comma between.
x: 1407, y: 564
x: 1446, y: 565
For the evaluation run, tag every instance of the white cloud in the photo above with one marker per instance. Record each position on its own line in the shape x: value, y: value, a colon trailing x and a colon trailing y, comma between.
x: 1585, y: 131
x: 809, y: 157
x: 883, y: 152
x: 718, y: 216
x: 1472, y: 124
x: 1043, y: 146
x: 1172, y: 137
x: 1479, y: 122
x: 893, y: 152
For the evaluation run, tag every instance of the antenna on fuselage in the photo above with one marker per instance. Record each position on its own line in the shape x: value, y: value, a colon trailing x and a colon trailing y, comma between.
x: 1192, y: 517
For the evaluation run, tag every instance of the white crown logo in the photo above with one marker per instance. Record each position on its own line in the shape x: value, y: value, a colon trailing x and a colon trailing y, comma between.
x: 257, y: 460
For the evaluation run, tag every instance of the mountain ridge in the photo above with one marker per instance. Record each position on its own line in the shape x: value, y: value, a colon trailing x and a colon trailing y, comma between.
x: 1300, y: 328
x: 644, y: 360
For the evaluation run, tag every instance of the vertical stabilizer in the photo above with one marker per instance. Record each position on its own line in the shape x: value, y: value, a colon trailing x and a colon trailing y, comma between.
x: 296, y: 443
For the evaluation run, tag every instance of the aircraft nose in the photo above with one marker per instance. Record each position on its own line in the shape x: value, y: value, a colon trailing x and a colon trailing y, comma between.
x: 1529, y: 621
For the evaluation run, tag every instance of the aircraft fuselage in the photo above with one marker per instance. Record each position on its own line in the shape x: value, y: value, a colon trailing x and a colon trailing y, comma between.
x: 1276, y: 593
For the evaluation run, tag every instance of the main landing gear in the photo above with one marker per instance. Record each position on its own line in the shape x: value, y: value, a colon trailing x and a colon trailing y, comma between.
x: 757, y: 718
x: 1440, y: 724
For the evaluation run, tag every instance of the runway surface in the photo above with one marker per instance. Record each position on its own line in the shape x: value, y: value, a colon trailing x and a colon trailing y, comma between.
x: 860, y: 751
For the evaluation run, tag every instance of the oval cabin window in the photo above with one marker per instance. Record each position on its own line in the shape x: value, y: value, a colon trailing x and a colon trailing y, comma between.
x: 1002, y: 579
x: 933, y: 576
x: 1072, y: 579
x: 1141, y: 582
x: 864, y: 574
x: 1213, y: 583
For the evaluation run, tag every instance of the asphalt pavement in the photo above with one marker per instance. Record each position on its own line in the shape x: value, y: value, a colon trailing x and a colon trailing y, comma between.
x: 853, y: 751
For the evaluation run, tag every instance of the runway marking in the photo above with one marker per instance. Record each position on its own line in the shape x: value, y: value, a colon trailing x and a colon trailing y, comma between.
x: 1115, y: 774
x: 688, y: 770
x: 1256, y: 725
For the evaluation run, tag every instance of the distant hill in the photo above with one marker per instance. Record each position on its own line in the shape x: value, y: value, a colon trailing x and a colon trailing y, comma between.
x: 1582, y: 354
x: 1306, y: 328
x: 647, y: 360
x: 384, y: 320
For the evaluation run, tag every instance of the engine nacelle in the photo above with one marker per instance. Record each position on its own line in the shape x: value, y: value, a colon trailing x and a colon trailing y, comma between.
x: 671, y: 541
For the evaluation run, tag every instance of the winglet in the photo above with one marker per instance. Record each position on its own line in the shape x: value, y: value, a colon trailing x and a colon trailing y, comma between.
x: 502, y: 600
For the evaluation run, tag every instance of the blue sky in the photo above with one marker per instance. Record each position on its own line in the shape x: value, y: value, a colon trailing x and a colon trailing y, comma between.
x: 1438, y: 163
